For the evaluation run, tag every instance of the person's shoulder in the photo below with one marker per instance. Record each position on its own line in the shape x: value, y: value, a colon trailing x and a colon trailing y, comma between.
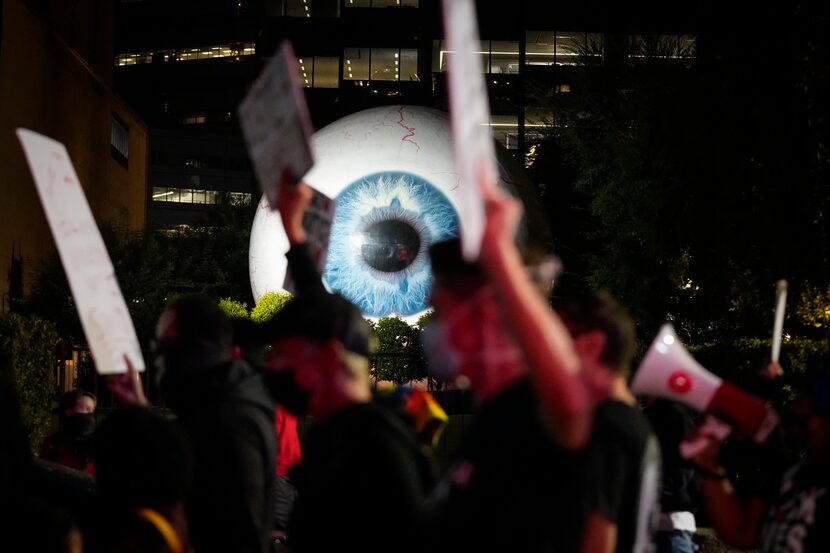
x: 615, y: 418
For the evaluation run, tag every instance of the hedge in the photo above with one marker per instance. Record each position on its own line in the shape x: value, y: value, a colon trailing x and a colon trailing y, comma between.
x: 28, y: 344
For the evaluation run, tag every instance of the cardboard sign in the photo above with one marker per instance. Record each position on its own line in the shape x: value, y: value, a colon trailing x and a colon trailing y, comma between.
x: 470, y: 115
x: 276, y: 125
x: 107, y: 324
x: 317, y: 222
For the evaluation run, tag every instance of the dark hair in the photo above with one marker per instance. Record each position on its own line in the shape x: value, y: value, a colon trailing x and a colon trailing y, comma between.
x: 200, y: 320
x: 69, y: 399
x: 142, y: 459
x: 323, y: 317
x: 585, y: 310
x: 202, y: 338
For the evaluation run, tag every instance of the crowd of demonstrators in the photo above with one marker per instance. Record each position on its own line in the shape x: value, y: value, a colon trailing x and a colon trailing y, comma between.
x: 558, y: 457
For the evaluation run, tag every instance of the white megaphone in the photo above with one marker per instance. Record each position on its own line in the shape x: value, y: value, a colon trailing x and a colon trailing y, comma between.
x: 669, y: 371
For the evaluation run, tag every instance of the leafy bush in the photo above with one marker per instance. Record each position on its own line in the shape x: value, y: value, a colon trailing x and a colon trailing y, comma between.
x: 269, y: 305
x: 398, y: 357
x: 234, y: 309
x: 28, y: 343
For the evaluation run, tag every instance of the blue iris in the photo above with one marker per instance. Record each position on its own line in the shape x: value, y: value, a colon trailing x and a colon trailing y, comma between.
x: 383, y: 227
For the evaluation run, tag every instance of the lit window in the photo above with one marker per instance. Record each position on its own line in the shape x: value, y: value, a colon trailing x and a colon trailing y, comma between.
x: 569, y: 48
x: 160, y: 194
x: 195, y: 119
x: 504, y: 57
x: 239, y: 198
x: 409, y: 64
x: 651, y: 47
x: 563, y: 48
x: 387, y: 64
x: 193, y: 196
x: 539, y: 47
x: 381, y: 3
x: 319, y: 72
x: 188, y: 54
x: 356, y: 64
x: 496, y: 57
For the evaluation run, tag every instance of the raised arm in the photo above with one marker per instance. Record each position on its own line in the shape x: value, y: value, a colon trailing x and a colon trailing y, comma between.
x: 292, y: 202
x: 546, y: 343
x: 737, y: 520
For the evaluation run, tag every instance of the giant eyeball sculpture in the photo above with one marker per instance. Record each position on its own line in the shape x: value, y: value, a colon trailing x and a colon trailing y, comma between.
x: 391, y: 173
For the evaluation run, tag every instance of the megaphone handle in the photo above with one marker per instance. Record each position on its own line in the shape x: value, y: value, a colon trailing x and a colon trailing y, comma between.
x: 711, y: 430
x: 745, y: 412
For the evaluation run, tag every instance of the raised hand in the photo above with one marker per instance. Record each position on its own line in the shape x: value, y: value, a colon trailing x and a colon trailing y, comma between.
x: 126, y: 387
x: 292, y: 202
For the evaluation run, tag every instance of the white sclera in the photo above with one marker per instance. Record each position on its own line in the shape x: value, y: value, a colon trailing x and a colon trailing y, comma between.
x: 412, y: 139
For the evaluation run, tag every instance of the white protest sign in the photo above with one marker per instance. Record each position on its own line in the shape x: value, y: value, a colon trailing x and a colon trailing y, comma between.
x: 317, y: 222
x: 470, y: 116
x: 276, y: 125
x: 104, y: 316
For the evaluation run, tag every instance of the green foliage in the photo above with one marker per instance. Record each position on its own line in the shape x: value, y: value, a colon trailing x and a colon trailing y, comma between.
x: 399, y: 356
x: 28, y: 343
x: 234, y: 309
x: 152, y: 268
x: 663, y: 186
x: 269, y: 305
x: 424, y: 319
x: 813, y: 307
x: 740, y: 361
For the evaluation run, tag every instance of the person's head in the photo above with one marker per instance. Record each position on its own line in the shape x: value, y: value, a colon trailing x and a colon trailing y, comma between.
x: 806, y: 420
x: 467, y: 337
x: 142, y: 460
x: 77, y: 401
x: 193, y: 337
x: 319, y: 357
x: 602, y: 330
x: 76, y: 412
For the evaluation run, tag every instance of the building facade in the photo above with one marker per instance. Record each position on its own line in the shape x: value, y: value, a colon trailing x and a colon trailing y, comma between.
x: 189, y: 74
x: 56, y: 79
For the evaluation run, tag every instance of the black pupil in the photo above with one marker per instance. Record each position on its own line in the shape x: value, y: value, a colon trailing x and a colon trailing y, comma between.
x: 390, y: 246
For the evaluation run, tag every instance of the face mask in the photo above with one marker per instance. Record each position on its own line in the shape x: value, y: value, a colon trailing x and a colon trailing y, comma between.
x: 493, y: 350
x: 79, y: 426
x: 283, y: 389
x: 444, y: 359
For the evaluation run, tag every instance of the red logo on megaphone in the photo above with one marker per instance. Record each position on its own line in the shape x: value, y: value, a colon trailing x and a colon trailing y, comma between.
x: 680, y: 382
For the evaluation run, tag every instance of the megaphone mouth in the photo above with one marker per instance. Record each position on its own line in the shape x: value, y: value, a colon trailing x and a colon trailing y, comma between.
x: 680, y: 382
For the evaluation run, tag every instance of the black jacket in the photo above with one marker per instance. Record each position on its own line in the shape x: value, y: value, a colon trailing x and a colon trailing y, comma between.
x: 361, y: 485
x: 229, y: 419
